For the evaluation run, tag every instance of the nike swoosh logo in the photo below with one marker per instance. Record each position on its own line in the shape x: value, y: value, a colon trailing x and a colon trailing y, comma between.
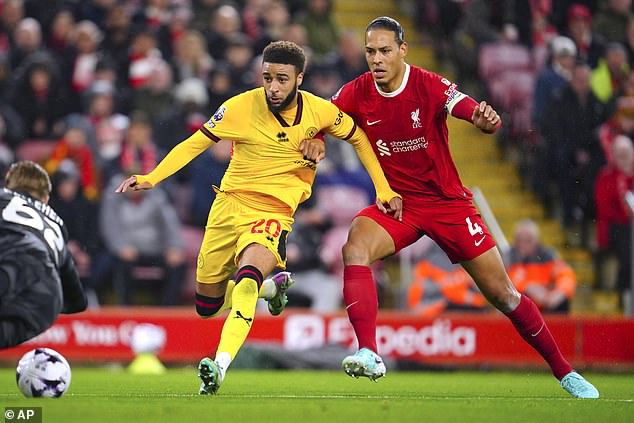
x: 351, y: 305
x: 374, y: 122
x: 477, y: 243
x: 540, y: 329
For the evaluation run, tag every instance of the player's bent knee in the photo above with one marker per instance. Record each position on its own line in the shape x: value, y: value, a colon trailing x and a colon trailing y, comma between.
x: 207, y: 307
x: 355, y: 253
x: 504, y: 300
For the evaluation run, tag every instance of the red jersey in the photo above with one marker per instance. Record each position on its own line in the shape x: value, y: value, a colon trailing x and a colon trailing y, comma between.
x: 408, y: 131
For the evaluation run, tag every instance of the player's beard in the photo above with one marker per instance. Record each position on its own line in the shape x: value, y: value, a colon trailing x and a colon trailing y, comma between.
x: 284, y: 104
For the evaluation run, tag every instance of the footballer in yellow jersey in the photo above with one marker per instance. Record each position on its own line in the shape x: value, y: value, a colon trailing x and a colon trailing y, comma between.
x: 271, y: 172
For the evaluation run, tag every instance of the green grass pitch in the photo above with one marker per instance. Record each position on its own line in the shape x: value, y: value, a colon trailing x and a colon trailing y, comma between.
x: 114, y: 396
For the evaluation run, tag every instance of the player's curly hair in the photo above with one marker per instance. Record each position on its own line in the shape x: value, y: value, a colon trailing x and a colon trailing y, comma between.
x: 286, y: 53
x: 389, y: 24
x: 29, y: 177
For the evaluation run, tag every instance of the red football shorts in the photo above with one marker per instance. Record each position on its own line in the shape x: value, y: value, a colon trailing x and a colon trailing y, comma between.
x: 455, y: 225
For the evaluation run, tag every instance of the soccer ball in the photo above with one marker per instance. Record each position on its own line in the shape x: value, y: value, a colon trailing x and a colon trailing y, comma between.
x: 43, y: 372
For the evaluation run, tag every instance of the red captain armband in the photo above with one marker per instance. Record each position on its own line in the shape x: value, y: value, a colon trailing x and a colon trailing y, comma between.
x: 464, y: 108
x: 319, y: 136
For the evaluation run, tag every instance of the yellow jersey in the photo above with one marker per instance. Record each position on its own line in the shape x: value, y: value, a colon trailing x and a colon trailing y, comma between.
x: 266, y: 158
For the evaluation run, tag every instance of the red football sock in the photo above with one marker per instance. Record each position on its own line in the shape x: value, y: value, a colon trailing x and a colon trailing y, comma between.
x: 362, y: 305
x: 528, y: 321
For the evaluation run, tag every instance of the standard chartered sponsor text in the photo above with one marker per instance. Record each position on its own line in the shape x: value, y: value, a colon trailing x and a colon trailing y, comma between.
x: 408, y: 145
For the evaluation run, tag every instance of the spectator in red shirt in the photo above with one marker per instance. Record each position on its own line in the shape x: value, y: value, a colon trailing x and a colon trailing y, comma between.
x: 613, y: 214
x: 73, y: 146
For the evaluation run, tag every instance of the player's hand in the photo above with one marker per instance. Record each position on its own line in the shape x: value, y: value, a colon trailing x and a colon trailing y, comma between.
x: 313, y: 149
x: 485, y: 118
x: 131, y: 184
x: 393, y: 208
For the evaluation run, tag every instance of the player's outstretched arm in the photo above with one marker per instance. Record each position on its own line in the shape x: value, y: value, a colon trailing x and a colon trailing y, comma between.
x: 178, y: 157
x: 485, y: 118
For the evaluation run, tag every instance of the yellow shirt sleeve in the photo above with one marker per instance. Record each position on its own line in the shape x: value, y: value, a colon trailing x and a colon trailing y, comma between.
x: 344, y: 127
x: 178, y: 157
x: 361, y: 144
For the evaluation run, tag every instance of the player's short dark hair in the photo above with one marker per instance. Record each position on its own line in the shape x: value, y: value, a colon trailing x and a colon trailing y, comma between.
x: 286, y: 53
x: 389, y: 24
x: 28, y: 177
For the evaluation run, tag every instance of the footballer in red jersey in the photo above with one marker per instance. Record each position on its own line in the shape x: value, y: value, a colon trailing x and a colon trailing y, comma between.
x: 403, y: 110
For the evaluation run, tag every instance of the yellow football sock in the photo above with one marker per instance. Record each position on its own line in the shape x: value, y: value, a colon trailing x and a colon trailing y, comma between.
x: 267, y: 290
x: 238, y: 323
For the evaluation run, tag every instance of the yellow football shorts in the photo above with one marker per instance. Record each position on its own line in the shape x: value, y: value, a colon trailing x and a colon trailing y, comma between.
x: 231, y: 227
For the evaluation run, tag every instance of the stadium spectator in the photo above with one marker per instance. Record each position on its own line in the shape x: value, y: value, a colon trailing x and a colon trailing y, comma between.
x: 150, y: 76
x: 191, y: 59
x: 538, y: 272
x: 174, y: 30
x: 276, y: 18
x: 203, y: 12
x: 59, y: 40
x: 573, y: 153
x: 608, y: 77
x: 620, y: 117
x: 39, y: 279
x: 38, y: 97
x: 590, y: 46
x: 103, y: 126
x: 238, y: 57
x: 270, y: 173
x: 81, y: 65
x: 27, y: 39
x: 539, y: 32
x: 12, y: 14
x: 139, y: 153
x: 549, y: 84
x: 440, y: 285
x: 224, y: 24
x: 553, y: 78
x: 612, y: 19
x: 142, y: 231
x: 613, y: 214
x: 389, y: 97
x: 349, y: 60
x: 73, y: 146
x: 219, y: 86
x: 117, y: 39
x: 321, y: 28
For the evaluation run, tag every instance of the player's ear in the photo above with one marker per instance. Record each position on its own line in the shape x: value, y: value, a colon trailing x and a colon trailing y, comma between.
x: 300, y: 78
x: 403, y: 49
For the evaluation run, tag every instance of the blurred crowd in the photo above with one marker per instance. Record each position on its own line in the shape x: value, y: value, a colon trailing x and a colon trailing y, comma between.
x: 98, y: 89
x: 562, y: 74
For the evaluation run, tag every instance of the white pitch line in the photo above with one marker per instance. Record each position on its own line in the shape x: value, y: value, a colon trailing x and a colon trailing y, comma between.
x: 332, y: 396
